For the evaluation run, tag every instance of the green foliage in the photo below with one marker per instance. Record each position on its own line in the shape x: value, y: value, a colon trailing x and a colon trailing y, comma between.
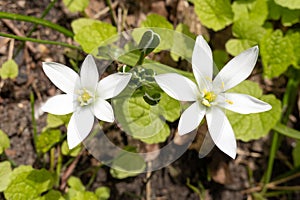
x: 9, y: 69
x: 277, y: 54
x: 103, y: 193
x: 5, y: 171
x: 47, y: 139
x: 67, y: 152
x: 284, y: 130
x: 215, y: 14
x: 249, y: 34
x: 28, y: 183
x: 220, y: 58
x: 76, y: 5
x: 184, y: 43
x: 253, y: 11
x: 291, y: 4
x: 296, y: 153
x: 77, y: 191
x: 51, y: 195
x: 54, y: 121
x: 145, y: 122
x: 288, y: 16
x: 4, y: 141
x: 121, y: 168
x: 254, y: 126
x: 97, y: 31
x: 157, y: 23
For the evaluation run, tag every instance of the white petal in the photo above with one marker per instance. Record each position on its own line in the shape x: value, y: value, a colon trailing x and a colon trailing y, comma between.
x: 112, y: 85
x: 80, y: 125
x: 59, y: 105
x: 177, y: 86
x: 236, y: 70
x: 103, y: 110
x: 89, y: 74
x: 190, y: 118
x: 206, y: 146
x: 244, y: 104
x: 221, y: 131
x: 202, y: 61
x: 61, y: 76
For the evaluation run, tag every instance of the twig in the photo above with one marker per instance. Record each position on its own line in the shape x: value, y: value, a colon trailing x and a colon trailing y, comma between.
x: 105, y: 10
x: 16, y: 31
x: 148, y: 184
x: 69, y: 171
x: 11, y: 49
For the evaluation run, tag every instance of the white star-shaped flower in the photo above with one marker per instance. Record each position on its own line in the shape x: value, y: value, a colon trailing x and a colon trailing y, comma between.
x: 85, y: 97
x: 209, y: 97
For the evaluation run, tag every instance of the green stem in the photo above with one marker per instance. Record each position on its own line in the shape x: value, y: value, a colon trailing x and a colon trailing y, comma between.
x: 58, y: 166
x: 287, y: 105
x: 45, y: 12
x: 39, y: 41
x: 33, y: 118
x: 113, y: 15
x: 35, y: 20
x: 52, y: 159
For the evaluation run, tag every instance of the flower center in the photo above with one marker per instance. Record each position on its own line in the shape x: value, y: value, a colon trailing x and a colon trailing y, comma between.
x: 208, y: 98
x: 85, y: 97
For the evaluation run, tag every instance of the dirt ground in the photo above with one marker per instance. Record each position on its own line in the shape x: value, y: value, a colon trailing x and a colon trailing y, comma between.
x: 216, y: 176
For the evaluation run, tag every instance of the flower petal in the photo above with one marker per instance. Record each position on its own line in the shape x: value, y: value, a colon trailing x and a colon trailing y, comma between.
x: 80, y: 125
x: 59, y: 105
x: 236, y: 70
x: 89, y: 75
x: 190, y: 118
x: 112, y: 85
x: 177, y: 86
x: 61, y: 76
x: 244, y: 104
x: 103, y: 110
x: 221, y: 131
x: 202, y: 61
x: 206, y: 146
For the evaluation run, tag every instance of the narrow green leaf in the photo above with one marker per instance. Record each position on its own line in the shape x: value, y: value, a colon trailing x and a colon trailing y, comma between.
x: 296, y: 153
x: 4, y: 141
x: 287, y: 131
x: 214, y: 14
x: 5, y: 171
x: 9, y: 69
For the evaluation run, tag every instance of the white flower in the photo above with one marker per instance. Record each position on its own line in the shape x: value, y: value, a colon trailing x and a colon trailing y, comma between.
x: 85, y: 96
x: 209, y: 95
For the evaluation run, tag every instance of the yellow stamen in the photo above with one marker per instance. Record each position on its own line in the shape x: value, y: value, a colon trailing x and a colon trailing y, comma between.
x: 85, y: 97
x: 229, y: 101
x: 208, y: 97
